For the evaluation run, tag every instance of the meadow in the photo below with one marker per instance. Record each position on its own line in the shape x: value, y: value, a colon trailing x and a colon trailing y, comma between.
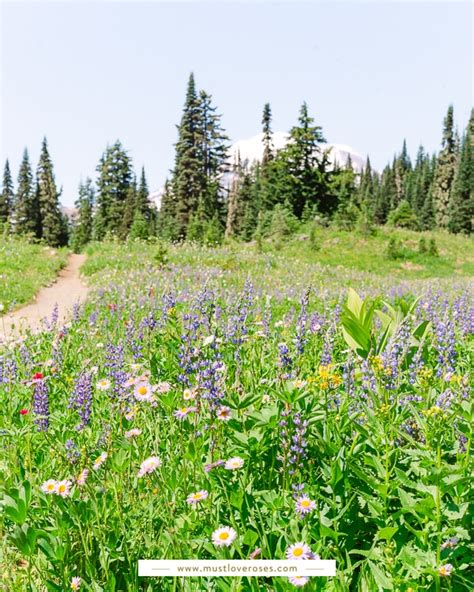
x: 267, y: 401
x: 24, y: 268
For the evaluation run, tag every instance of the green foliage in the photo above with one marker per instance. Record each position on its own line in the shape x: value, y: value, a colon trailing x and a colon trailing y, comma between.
x: 52, y: 226
x: 83, y: 228
x: 403, y: 217
x: 422, y: 246
x: 432, y: 248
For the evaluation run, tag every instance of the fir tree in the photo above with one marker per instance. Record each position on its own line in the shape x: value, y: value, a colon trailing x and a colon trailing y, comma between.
x: 345, y: 189
x: 213, y: 154
x: 166, y: 226
x: 6, y: 196
x: 386, y: 195
x: 83, y: 228
x: 305, y: 178
x: 52, y: 223
x: 188, y: 174
x: 403, y: 216
x: 426, y: 215
x: 462, y: 201
x: 115, y: 176
x: 26, y: 218
x: 129, y: 210
x: 268, y: 149
x: 445, y: 172
x: 142, y: 204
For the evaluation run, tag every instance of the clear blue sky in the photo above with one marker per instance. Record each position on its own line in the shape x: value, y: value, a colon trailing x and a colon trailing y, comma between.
x: 86, y: 73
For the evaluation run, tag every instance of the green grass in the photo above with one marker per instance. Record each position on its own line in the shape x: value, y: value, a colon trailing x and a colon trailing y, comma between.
x: 363, y: 257
x: 25, y: 268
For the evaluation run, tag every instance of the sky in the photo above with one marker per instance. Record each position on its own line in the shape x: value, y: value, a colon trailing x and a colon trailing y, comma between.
x: 87, y: 73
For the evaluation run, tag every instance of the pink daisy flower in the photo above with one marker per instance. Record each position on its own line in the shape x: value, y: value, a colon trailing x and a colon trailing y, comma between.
x: 149, y: 466
x: 197, y: 497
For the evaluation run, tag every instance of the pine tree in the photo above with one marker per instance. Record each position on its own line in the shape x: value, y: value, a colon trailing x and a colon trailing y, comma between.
x: 462, y: 201
x: 345, y: 189
x: 83, y: 228
x: 305, y: 179
x: 142, y: 204
x: 426, y: 215
x: 115, y: 177
x: 401, y: 168
x: 240, y: 196
x: 130, y: 210
x: 188, y: 177
x: 445, y: 172
x: 214, y: 155
x: 52, y: 223
x: 268, y: 149
x: 6, y: 196
x: 166, y: 227
x: 386, y: 195
x: 26, y: 217
x: 403, y: 216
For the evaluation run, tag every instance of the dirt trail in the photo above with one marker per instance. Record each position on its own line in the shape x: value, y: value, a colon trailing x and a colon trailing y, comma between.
x: 67, y: 290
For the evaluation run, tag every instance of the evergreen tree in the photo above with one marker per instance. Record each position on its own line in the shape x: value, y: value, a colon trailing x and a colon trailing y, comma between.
x: 401, y: 168
x: 403, y: 216
x: 240, y: 197
x: 268, y: 149
x: 250, y: 197
x: 166, y: 226
x: 345, y: 189
x: 445, y: 172
x: 213, y: 154
x: 305, y: 178
x: 188, y: 175
x: 130, y: 209
x: 26, y: 218
x: 83, y: 228
x: 115, y: 177
x: 365, y: 198
x: 51, y: 219
x: 462, y: 201
x: 142, y: 204
x: 426, y: 216
x: 386, y: 195
x: 6, y: 196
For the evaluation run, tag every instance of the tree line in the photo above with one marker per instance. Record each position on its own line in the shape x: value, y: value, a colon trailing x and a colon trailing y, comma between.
x: 207, y: 198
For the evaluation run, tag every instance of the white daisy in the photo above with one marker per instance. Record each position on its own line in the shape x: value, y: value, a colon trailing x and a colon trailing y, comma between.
x: 49, y: 486
x: 149, y: 465
x: 224, y: 536
x: 298, y: 551
x: 234, y: 463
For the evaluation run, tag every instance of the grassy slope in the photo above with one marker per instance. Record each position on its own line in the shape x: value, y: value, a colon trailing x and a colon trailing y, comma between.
x: 337, y: 250
x: 24, y: 268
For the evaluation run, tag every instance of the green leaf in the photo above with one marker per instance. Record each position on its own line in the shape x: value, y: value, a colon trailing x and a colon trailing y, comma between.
x: 387, y: 533
x: 250, y: 538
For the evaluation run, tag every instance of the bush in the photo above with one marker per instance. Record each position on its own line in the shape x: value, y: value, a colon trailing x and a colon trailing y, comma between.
x: 161, y: 254
x: 403, y: 217
x: 314, y: 243
x: 422, y: 247
x: 396, y: 250
x: 432, y: 248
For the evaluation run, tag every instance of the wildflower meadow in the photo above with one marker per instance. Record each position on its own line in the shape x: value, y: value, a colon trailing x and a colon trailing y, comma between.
x: 203, y: 407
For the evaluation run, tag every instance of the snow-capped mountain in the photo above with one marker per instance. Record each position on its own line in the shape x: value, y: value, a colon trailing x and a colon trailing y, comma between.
x: 251, y: 150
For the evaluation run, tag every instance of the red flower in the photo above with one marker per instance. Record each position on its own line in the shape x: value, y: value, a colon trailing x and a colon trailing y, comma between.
x: 24, y: 411
x: 38, y: 376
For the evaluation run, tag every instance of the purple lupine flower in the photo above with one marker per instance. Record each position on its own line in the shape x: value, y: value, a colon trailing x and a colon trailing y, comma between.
x: 72, y: 453
x: 41, y: 405
x: 81, y: 398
